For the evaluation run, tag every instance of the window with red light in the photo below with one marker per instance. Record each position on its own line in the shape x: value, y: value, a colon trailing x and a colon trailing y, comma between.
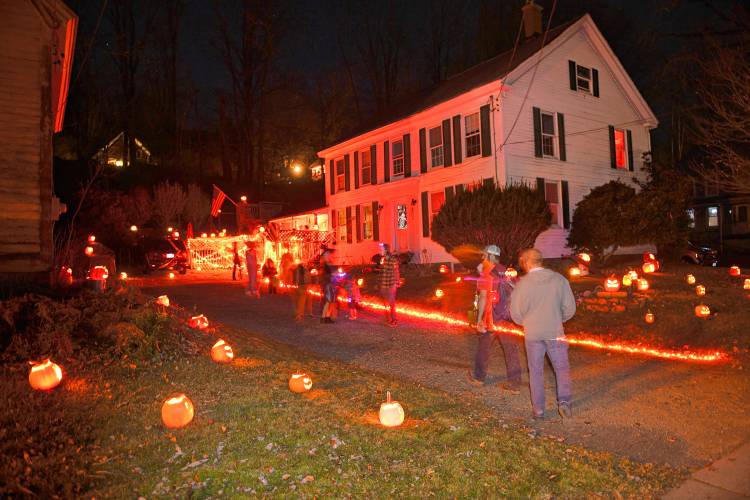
x: 437, y: 200
x: 340, y: 175
x: 553, y: 202
x: 621, y: 151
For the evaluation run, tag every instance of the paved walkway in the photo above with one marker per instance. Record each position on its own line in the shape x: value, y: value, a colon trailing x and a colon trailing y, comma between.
x: 682, y: 414
x: 727, y: 478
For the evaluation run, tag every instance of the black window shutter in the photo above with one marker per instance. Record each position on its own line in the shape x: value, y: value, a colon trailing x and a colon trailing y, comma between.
x: 459, y: 189
x: 386, y: 162
x: 425, y: 215
x: 374, y: 164
x: 347, y: 174
x: 572, y: 72
x: 356, y: 170
x: 630, y: 150
x: 537, y: 132
x: 448, y: 193
x: 407, y: 155
x: 489, y: 181
x: 484, y: 120
x: 358, y: 221
x: 349, y: 224
x: 334, y: 219
x: 561, y: 135
x: 612, y: 152
x: 422, y: 150
x: 540, y: 186
x: 565, y: 205
x: 457, y: 139
x: 595, y: 78
x: 375, y: 221
x: 332, y: 175
x: 447, y: 160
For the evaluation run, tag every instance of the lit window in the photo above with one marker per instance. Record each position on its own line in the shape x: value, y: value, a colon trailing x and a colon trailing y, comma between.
x: 340, y: 175
x: 367, y: 222
x: 436, y: 146
x: 691, y: 216
x: 713, y: 216
x: 341, y: 223
x: 583, y: 78
x: 366, y: 160
x: 397, y: 152
x: 437, y: 200
x: 621, y: 154
x: 473, y: 138
x: 553, y: 202
x: 548, y: 134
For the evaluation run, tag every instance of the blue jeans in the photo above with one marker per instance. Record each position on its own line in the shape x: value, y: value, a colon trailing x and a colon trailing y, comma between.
x: 512, y: 359
x: 558, y: 356
x: 389, y: 296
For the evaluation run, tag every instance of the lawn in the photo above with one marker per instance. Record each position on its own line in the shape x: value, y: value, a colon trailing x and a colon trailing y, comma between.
x: 99, y: 433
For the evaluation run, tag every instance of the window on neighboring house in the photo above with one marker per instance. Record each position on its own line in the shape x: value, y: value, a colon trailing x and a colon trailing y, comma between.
x: 739, y: 214
x: 473, y: 138
x: 367, y: 221
x: 583, y: 78
x: 691, y: 216
x: 548, y: 134
x: 340, y: 175
x: 553, y: 202
x: 397, y: 155
x: 436, y: 146
x: 713, y: 216
x: 621, y: 149
x: 341, y: 224
x: 366, y: 160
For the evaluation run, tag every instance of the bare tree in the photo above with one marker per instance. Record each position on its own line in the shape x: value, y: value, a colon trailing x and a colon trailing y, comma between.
x: 169, y: 203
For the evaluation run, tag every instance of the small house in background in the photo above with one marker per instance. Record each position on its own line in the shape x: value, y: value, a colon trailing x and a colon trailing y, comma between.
x: 37, y: 42
x: 113, y: 153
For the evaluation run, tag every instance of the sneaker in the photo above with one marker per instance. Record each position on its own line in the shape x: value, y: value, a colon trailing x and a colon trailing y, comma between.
x: 473, y: 380
x: 565, y: 410
x: 511, y: 388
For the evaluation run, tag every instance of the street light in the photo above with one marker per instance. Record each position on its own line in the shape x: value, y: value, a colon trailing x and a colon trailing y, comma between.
x: 297, y: 169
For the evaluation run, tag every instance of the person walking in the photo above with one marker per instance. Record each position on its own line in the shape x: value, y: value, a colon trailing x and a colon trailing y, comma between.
x: 327, y: 286
x: 541, y: 302
x: 498, y: 304
x: 251, y: 263
x: 236, y: 262
x: 300, y: 297
x: 490, y: 257
x: 389, y: 282
x: 269, y: 273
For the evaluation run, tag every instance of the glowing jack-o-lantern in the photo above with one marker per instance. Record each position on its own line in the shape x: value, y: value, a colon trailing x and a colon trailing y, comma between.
x: 99, y: 273
x: 649, y: 318
x: 439, y: 293
x: 163, y: 300
x: 314, y: 272
x: 642, y: 284
x: 746, y: 284
x: 459, y: 279
x: 611, y: 284
x: 199, y: 322
x: 735, y: 271
x: 627, y: 280
x: 511, y: 273
x: 222, y: 352
x: 633, y: 274
x: 648, y: 257
x: 648, y: 267
x: 360, y: 282
x: 700, y: 290
x: 45, y: 375
x: 443, y: 269
x: 690, y: 279
x: 171, y: 276
x: 123, y: 276
x: 89, y: 251
x: 300, y: 382
x: 574, y: 272
x: 92, y: 238
x: 177, y: 411
x: 702, y: 311
x: 584, y: 257
x: 391, y: 413
x: 134, y: 228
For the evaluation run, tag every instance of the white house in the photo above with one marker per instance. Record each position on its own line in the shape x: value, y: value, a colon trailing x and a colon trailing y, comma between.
x: 563, y: 116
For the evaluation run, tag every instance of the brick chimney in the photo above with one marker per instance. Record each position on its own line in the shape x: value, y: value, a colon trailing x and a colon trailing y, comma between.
x: 532, y: 19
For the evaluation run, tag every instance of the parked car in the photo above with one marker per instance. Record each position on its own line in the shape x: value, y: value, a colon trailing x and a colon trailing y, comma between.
x: 700, y: 255
x: 162, y: 254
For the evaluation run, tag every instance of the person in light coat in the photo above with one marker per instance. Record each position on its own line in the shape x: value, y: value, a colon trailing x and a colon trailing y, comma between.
x: 541, y: 302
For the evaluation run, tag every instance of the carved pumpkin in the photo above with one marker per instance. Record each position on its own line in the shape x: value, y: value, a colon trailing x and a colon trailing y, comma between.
x: 177, y: 411
x: 648, y: 257
x: 163, y: 300
x: 633, y: 274
x: 134, y: 228
x: 700, y: 290
x: 690, y: 279
x: 746, y: 284
x: 222, y: 352
x: 584, y: 257
x: 89, y: 251
x: 735, y: 271
x: 611, y: 284
x: 642, y: 284
x: 443, y: 269
x: 300, y: 382
x: 391, y: 413
x: 199, y: 322
x: 360, y: 282
x: 123, y: 276
x: 702, y: 311
x: 439, y: 293
x: 648, y: 267
x: 314, y: 272
x: 626, y: 280
x: 649, y: 318
x: 99, y: 273
x: 511, y: 273
x: 92, y: 238
x: 45, y: 375
x: 574, y: 272
x: 171, y: 276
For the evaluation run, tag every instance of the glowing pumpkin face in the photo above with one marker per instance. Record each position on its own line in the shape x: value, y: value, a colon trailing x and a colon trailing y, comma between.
x: 627, y: 280
x: 391, y: 413
x: 222, y: 352
x: 735, y: 271
x: 642, y: 284
x: 171, y: 276
x: 648, y: 267
x: 649, y: 318
x: 702, y: 311
x: 92, y: 238
x: 511, y: 273
x: 611, y: 284
x: 574, y: 272
x: 648, y: 257
x: 360, y: 282
x: 443, y: 269
x: 690, y: 279
x: 89, y: 251
x: 45, y: 376
x: 633, y: 274
x: 123, y: 276
x: 700, y: 290
x: 199, y: 322
x: 163, y: 300
x: 99, y: 273
x: 584, y: 257
x: 746, y: 284
x: 300, y: 382
x: 177, y: 412
x: 439, y: 293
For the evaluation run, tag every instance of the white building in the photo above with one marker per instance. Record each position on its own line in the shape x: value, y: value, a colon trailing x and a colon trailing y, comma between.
x: 565, y: 117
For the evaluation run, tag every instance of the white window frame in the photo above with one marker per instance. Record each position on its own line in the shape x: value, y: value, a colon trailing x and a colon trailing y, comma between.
x: 554, y: 136
x: 477, y: 134
x: 715, y: 217
x: 626, y: 160
x: 394, y: 158
x: 367, y: 227
x: 436, y: 150
x: 555, y: 224
x: 362, y: 167
x: 589, y: 81
x: 340, y: 178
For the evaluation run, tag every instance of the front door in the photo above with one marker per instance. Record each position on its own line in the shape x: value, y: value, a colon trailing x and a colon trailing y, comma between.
x: 401, y: 223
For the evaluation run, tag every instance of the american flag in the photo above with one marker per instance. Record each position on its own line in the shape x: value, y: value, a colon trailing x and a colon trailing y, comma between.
x: 217, y: 201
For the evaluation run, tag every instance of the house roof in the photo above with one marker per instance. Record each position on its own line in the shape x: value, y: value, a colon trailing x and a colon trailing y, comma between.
x: 483, y: 73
